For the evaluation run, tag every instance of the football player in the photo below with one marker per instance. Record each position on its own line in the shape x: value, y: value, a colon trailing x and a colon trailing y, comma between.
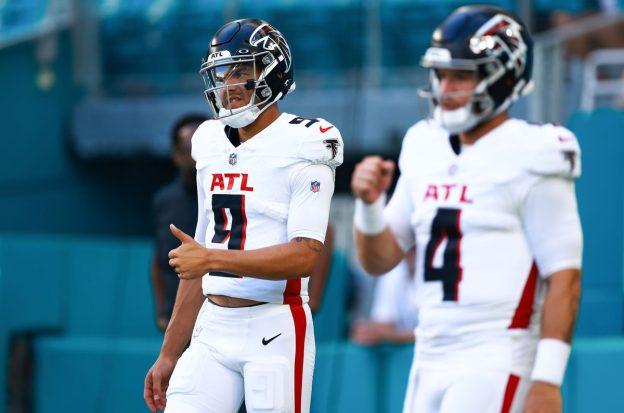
x: 265, y: 180
x: 489, y: 202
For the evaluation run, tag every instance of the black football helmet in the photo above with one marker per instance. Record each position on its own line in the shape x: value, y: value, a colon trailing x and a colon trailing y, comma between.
x: 263, y: 52
x: 493, y: 43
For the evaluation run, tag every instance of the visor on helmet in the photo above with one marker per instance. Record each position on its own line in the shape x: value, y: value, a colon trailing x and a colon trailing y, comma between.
x: 235, y: 83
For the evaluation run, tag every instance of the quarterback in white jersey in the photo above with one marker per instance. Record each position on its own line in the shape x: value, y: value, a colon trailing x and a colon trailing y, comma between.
x: 265, y: 181
x: 489, y: 203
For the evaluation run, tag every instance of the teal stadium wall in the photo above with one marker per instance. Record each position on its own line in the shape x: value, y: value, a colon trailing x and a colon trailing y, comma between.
x: 44, y: 187
x: 601, y: 205
x: 36, y: 173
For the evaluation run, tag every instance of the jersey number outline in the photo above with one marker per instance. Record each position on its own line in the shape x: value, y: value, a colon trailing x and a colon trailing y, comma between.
x: 236, y: 235
x: 299, y: 120
x: 445, y: 226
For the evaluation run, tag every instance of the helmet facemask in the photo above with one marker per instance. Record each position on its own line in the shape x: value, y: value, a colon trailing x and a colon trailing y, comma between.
x: 236, y: 87
x: 463, y: 118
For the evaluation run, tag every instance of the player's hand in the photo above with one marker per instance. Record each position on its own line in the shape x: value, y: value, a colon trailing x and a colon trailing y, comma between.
x: 371, y: 177
x: 189, y: 259
x: 543, y: 398
x: 156, y: 383
x: 369, y: 332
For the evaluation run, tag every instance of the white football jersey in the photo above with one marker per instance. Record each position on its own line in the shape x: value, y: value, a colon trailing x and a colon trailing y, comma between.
x: 485, y: 224
x: 266, y: 191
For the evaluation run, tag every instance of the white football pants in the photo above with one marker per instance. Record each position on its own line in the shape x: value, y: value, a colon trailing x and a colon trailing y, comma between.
x: 462, y: 390
x: 264, y: 353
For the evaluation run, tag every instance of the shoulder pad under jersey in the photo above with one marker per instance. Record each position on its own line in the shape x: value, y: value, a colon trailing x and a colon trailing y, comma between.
x: 320, y: 142
x: 207, y: 139
x: 417, y: 139
x: 553, y: 151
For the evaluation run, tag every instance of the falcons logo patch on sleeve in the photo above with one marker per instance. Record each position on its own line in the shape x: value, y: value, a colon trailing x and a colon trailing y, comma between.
x: 332, y: 144
x: 570, y: 156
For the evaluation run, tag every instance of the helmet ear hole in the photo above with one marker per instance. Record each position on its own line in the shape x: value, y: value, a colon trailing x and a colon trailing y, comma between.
x: 287, y: 85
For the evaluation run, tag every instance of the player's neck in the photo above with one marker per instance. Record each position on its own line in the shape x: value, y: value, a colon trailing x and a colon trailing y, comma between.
x: 262, y: 121
x: 473, y: 135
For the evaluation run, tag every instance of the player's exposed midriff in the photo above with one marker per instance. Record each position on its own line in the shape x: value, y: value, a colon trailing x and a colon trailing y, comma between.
x: 233, y: 302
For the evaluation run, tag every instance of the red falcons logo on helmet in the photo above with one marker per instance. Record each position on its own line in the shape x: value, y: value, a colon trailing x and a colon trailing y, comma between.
x: 271, y: 39
x: 501, y: 35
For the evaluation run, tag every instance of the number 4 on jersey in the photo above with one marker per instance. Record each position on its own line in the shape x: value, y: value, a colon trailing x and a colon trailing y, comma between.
x: 445, y: 227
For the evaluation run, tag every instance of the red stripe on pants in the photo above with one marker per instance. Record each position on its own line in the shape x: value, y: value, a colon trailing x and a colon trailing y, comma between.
x: 299, y: 318
x: 510, y: 392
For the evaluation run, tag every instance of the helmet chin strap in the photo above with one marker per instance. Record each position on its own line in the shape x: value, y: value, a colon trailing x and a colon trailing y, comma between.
x: 464, y: 118
x: 239, y: 118
x: 458, y: 120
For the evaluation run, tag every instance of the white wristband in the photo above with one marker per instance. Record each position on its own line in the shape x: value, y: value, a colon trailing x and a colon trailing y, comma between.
x: 550, y: 361
x: 370, y: 219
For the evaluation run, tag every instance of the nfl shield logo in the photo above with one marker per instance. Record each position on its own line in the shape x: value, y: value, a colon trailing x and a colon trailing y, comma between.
x: 233, y: 159
x: 315, y: 186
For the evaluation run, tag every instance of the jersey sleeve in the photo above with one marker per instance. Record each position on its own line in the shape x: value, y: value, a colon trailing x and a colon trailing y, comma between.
x: 312, y: 187
x: 554, y: 151
x: 398, y: 214
x: 322, y: 145
x: 551, y: 222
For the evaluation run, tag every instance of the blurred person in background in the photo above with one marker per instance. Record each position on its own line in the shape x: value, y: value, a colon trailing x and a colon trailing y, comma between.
x: 609, y: 36
x: 394, y: 314
x: 489, y: 203
x: 20, y: 374
x: 175, y: 203
x: 265, y: 181
x: 578, y: 49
